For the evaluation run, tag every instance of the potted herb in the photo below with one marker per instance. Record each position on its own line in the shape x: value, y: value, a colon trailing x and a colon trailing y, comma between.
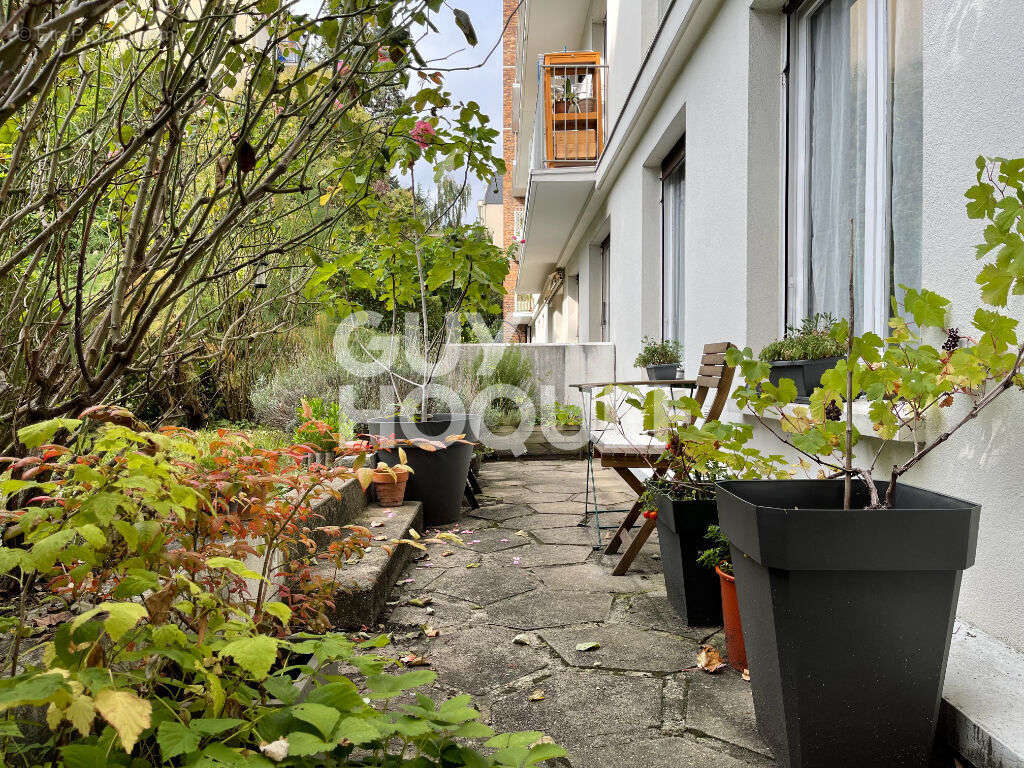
x: 804, y: 353
x: 565, y: 417
x: 716, y: 558
x: 660, y: 358
x: 389, y: 481
x: 848, y: 585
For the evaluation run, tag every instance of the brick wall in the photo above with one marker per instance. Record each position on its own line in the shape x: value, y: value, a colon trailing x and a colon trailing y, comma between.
x: 510, y: 203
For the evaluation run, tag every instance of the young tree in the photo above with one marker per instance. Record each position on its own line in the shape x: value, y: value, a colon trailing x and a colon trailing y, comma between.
x: 150, y: 150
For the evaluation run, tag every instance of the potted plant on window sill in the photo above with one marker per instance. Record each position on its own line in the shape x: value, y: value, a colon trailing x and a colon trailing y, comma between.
x: 660, y: 358
x: 804, y: 354
x: 848, y: 585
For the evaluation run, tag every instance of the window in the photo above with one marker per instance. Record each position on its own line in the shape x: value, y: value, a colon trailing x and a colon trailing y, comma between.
x: 606, y: 269
x: 855, y: 132
x: 673, y: 185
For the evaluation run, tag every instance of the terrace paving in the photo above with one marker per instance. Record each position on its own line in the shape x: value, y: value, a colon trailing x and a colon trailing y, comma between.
x: 509, y: 627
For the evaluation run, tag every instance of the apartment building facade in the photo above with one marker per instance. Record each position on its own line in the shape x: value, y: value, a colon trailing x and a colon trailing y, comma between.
x: 689, y: 169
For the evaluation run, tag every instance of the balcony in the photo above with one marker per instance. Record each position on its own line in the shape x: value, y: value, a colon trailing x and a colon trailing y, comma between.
x: 525, y: 306
x: 570, y: 110
x: 568, y: 139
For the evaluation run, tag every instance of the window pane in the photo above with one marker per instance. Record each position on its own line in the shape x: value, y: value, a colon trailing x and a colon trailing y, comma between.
x: 905, y: 77
x: 673, y: 186
x: 837, y: 134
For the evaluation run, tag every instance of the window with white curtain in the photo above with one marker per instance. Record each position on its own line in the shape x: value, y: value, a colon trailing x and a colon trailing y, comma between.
x: 673, y: 187
x: 855, y: 154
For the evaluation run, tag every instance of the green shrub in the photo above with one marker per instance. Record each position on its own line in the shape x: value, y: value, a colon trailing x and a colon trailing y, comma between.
x: 654, y: 352
x: 174, y: 650
x: 563, y: 415
x: 322, y: 425
x: 813, y: 340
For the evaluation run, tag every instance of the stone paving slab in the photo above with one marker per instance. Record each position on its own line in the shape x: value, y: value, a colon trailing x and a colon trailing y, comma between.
x: 479, y: 659
x: 548, y: 608
x: 581, y: 705
x: 720, y: 706
x: 617, y: 648
x: 484, y: 585
x: 679, y: 752
x: 510, y: 623
x: 539, y: 555
x: 540, y: 522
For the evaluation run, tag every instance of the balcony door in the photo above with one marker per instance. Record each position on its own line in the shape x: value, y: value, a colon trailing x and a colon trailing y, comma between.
x: 673, y: 187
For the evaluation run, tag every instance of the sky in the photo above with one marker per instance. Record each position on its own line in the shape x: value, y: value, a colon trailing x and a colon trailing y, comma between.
x: 448, y: 48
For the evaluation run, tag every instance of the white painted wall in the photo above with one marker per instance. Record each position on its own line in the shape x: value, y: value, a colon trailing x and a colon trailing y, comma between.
x: 973, y: 104
x: 727, y: 98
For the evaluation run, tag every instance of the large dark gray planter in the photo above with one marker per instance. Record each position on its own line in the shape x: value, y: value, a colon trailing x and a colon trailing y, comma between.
x: 692, y: 589
x: 847, y: 615
x: 439, y: 477
x: 667, y: 372
x: 806, y: 374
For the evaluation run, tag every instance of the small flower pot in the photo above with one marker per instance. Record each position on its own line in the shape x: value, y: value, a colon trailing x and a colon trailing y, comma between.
x: 390, y: 490
x: 847, y: 615
x: 735, y: 650
x: 805, y: 374
x: 665, y: 372
x: 692, y: 589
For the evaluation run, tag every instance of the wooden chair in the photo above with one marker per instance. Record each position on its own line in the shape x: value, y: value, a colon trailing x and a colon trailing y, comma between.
x: 716, y: 376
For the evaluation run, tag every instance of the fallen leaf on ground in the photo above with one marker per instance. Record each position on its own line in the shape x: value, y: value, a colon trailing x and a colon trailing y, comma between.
x: 430, y: 631
x: 522, y: 533
x: 583, y: 647
x: 376, y: 523
x: 522, y: 639
x: 746, y: 675
x: 473, y: 565
x: 710, y: 660
x: 412, y: 660
x: 380, y: 538
x: 537, y: 695
x: 421, y: 602
x: 412, y: 534
x: 449, y: 553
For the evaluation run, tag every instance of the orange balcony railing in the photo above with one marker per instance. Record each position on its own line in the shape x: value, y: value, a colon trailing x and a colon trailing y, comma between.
x: 571, y: 98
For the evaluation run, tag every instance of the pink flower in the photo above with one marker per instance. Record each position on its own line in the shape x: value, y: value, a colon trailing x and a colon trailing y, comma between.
x: 382, y: 55
x: 343, y: 68
x: 422, y: 133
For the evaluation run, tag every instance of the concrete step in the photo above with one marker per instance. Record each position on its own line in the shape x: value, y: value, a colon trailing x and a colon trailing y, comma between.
x: 365, y: 584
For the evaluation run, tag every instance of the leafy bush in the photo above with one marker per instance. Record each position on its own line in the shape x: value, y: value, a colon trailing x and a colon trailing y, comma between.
x: 813, y: 340
x: 654, y: 352
x: 152, y: 544
x: 563, y: 415
x: 322, y: 426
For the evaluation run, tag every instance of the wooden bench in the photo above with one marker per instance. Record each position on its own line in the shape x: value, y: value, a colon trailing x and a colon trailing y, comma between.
x: 715, y: 376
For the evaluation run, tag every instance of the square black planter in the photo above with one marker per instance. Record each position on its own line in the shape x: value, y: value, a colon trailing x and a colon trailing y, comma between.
x: 693, y: 590
x: 847, y: 615
x: 806, y: 374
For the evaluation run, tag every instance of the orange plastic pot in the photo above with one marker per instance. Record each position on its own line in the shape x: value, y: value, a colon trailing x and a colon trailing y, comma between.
x: 390, y: 490
x: 734, y: 648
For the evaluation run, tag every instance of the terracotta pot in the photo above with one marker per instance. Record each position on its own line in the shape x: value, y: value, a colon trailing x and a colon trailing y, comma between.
x: 734, y: 648
x: 390, y: 492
